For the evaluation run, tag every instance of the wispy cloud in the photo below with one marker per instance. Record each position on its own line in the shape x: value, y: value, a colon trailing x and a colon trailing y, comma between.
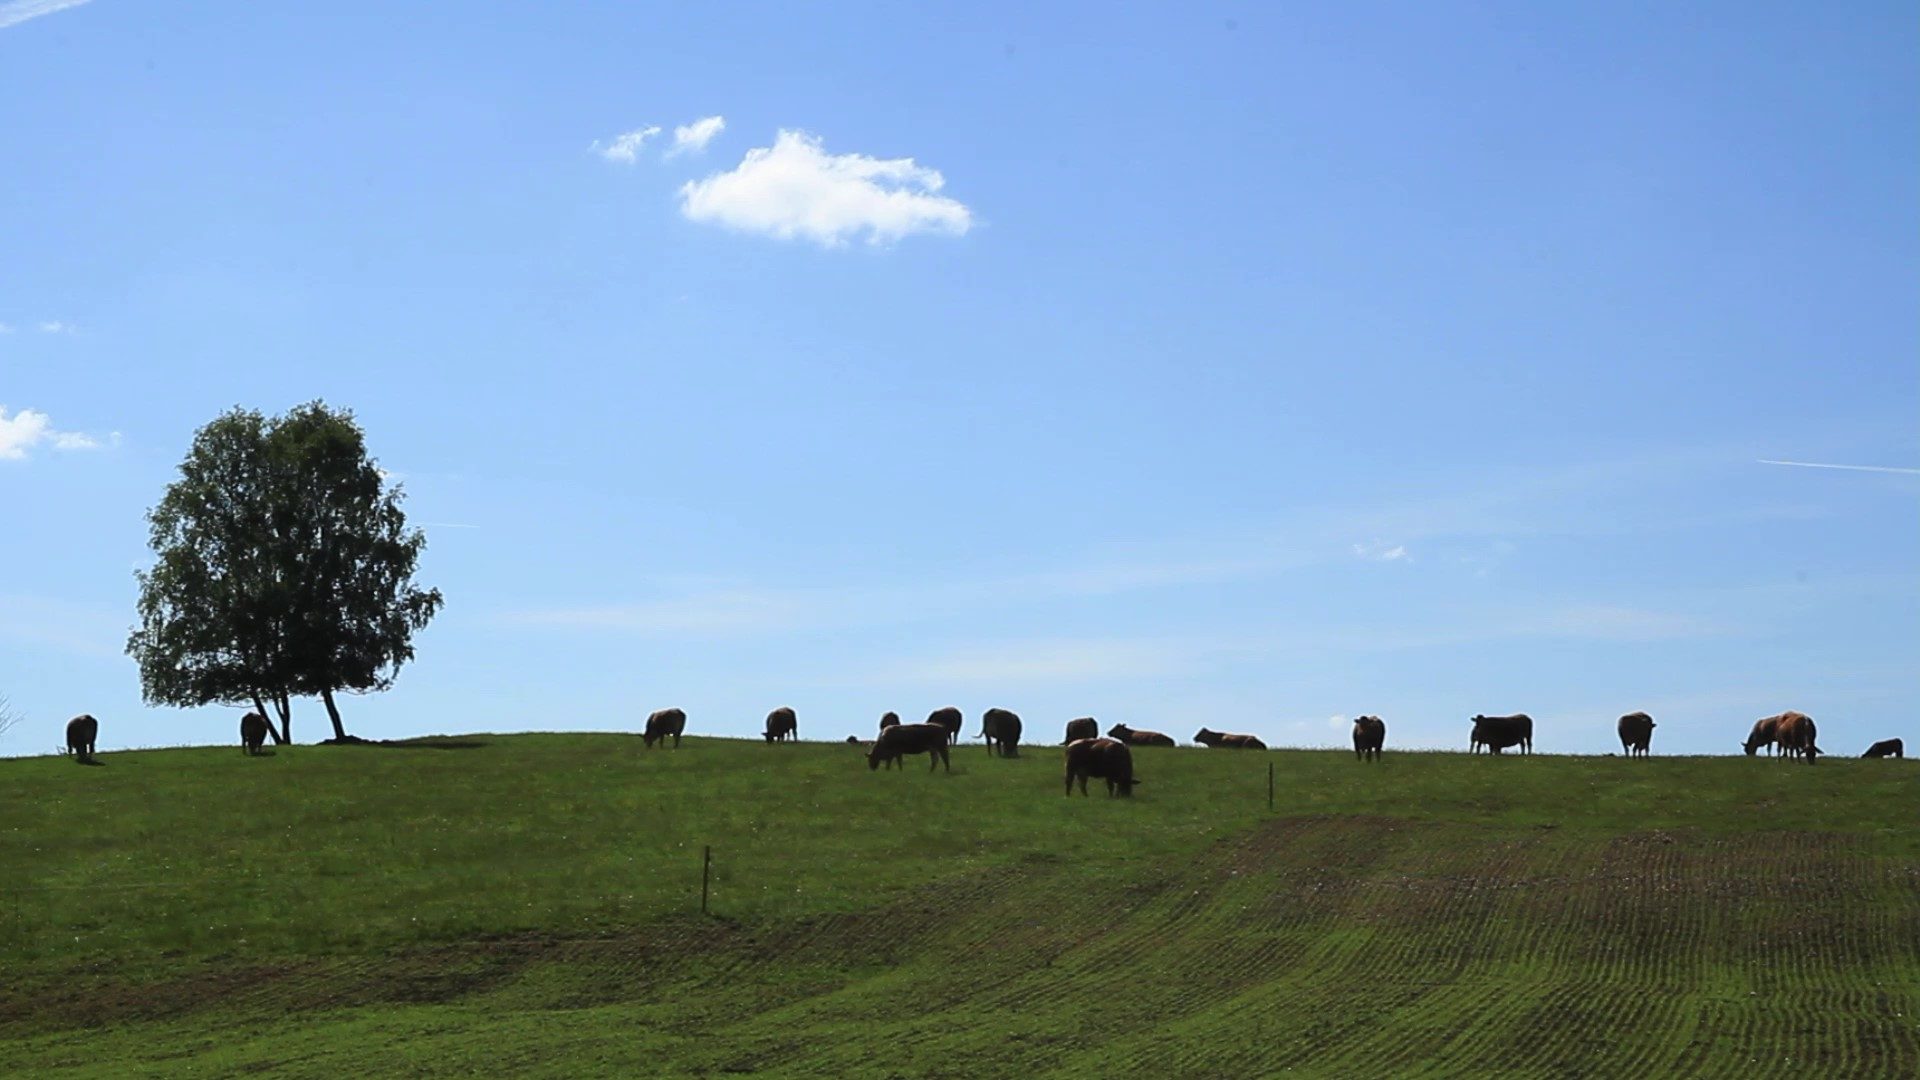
x: 54, y: 326
x: 5, y: 329
x: 625, y: 147
x: 83, y: 628
x: 721, y: 613
x: 1850, y: 468
x: 28, y: 429
x: 694, y: 137
x: 795, y: 189
x: 19, y: 11
x: 1381, y: 551
x: 1045, y: 661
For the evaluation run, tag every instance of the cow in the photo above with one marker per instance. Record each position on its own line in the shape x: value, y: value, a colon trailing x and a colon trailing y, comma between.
x: 903, y: 739
x: 1218, y: 740
x: 664, y: 723
x: 1084, y: 728
x: 1636, y: 734
x: 950, y: 719
x: 1886, y: 748
x: 1105, y: 759
x: 1795, y: 733
x: 253, y: 733
x: 1496, y: 733
x: 1764, y: 733
x: 1001, y: 729
x: 1369, y: 735
x: 853, y: 740
x: 1134, y: 737
x: 889, y: 719
x: 82, y: 732
x: 782, y: 725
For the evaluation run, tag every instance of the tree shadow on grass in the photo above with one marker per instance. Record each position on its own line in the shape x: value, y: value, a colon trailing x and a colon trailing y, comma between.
x: 428, y: 742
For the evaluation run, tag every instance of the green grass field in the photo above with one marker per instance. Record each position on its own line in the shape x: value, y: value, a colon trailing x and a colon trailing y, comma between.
x: 530, y: 904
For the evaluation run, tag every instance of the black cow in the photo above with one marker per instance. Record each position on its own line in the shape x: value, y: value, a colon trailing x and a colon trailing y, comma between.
x: 782, y: 725
x: 82, y: 732
x: 664, y: 723
x: 950, y: 719
x: 890, y: 719
x: 1001, y: 729
x: 253, y: 733
x: 1218, y: 740
x: 1105, y: 759
x: 1636, y: 734
x: 1084, y: 728
x: 1369, y: 735
x: 1496, y: 733
x: 1886, y: 748
x: 1135, y: 737
x: 903, y: 739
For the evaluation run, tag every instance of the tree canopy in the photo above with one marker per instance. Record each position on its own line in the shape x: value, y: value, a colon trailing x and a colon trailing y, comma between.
x: 283, y: 567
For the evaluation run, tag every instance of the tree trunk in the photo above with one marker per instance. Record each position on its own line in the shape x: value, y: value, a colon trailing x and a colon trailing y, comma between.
x: 333, y: 714
x: 281, y: 703
x: 260, y: 707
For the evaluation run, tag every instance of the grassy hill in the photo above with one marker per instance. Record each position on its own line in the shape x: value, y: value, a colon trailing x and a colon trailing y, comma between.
x: 530, y: 904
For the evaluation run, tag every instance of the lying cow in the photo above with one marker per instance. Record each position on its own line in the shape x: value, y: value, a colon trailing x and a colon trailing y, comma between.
x: 782, y: 725
x: 1220, y: 740
x: 82, y: 732
x: 902, y: 739
x: 1105, y: 759
x: 663, y: 723
x: 1636, y: 734
x: 1795, y: 734
x: 950, y: 719
x: 1134, y: 737
x: 1084, y: 728
x: 1001, y: 729
x: 253, y: 733
x: 1369, y: 735
x: 1496, y: 733
x: 1886, y: 748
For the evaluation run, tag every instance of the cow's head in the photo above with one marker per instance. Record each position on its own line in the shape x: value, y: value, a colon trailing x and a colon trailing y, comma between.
x: 1202, y: 735
x: 1749, y: 747
x: 1119, y: 731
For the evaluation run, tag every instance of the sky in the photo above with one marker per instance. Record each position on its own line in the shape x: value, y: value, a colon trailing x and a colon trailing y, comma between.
x: 1239, y: 365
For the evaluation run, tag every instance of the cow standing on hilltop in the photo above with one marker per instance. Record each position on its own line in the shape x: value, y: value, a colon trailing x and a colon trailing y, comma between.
x: 253, y: 733
x: 1084, y: 728
x: 1496, y: 733
x: 1764, y: 733
x: 1137, y: 737
x: 1886, y: 748
x: 950, y: 719
x: 1104, y: 759
x: 1636, y: 734
x: 902, y: 739
x: 82, y: 732
x: 1369, y: 735
x: 1221, y: 740
x: 663, y: 724
x: 1001, y: 729
x: 1796, y: 733
x: 782, y: 725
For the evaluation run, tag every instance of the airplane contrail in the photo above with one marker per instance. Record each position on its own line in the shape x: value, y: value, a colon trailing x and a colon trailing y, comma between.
x: 21, y: 10
x: 1853, y: 468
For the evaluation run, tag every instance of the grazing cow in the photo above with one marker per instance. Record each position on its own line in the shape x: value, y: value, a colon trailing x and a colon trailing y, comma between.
x: 1084, y: 728
x: 1001, y: 729
x: 1795, y: 733
x: 82, y: 731
x: 1105, y: 759
x: 948, y: 718
x: 253, y: 733
x: 853, y: 740
x: 1369, y: 735
x: 1219, y: 740
x: 1134, y: 737
x: 1886, y: 748
x: 1636, y: 734
x: 1765, y: 733
x: 903, y: 739
x: 890, y: 719
x: 782, y: 725
x: 663, y: 723
x: 1496, y: 733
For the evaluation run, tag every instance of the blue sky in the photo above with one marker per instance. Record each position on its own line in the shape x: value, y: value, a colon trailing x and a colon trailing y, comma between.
x: 1186, y: 364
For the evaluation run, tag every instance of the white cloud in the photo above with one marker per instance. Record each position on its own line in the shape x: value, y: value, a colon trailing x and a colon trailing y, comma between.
x: 5, y: 329
x: 1381, y: 551
x: 30, y: 428
x: 20, y: 11
x: 694, y: 137
x: 1069, y: 661
x: 56, y: 327
x: 625, y: 147
x: 794, y: 188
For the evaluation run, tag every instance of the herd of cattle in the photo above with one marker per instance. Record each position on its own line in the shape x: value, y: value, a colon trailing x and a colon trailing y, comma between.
x: 1089, y: 755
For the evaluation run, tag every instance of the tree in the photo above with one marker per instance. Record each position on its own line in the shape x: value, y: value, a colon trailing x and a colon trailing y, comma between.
x: 8, y: 717
x: 284, y: 566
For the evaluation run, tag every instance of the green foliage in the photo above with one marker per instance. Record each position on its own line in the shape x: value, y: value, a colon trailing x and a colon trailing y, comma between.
x: 283, y: 566
x: 528, y: 904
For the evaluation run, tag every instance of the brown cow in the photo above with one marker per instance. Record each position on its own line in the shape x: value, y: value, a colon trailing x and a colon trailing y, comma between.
x: 1219, y: 740
x: 1084, y: 728
x: 1133, y: 737
x: 253, y: 733
x: 1636, y: 734
x: 890, y: 719
x: 902, y: 739
x: 82, y: 732
x: 1001, y: 729
x: 1496, y: 733
x: 1106, y: 759
x: 1369, y: 735
x: 1795, y: 734
x: 782, y: 725
x: 1764, y: 733
x: 1886, y: 748
x: 662, y: 723
x: 950, y: 719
